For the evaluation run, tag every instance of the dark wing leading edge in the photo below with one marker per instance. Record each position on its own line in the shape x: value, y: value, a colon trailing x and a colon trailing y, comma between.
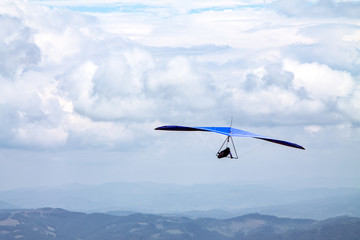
x: 228, y: 131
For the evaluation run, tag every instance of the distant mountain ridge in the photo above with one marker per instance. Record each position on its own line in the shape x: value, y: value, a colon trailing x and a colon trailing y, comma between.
x: 201, y: 200
x: 50, y: 223
x: 5, y: 205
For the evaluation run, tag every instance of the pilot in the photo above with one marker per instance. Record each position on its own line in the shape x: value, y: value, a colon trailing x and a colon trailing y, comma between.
x: 224, y: 153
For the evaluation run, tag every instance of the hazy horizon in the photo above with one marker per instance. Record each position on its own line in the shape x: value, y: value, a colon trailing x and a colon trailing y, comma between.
x: 200, y: 200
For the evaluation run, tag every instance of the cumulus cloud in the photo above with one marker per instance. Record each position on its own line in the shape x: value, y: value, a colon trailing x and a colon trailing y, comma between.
x: 178, y: 83
x: 334, y: 45
x: 70, y: 80
x: 17, y: 49
x: 320, y: 81
x: 319, y: 8
x: 38, y: 105
x: 351, y: 106
x: 88, y: 81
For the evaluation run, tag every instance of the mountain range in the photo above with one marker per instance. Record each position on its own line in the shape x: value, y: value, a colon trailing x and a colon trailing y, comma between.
x: 50, y: 223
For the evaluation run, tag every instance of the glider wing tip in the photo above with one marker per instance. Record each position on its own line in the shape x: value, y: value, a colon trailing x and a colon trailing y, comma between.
x: 160, y: 128
x: 298, y: 146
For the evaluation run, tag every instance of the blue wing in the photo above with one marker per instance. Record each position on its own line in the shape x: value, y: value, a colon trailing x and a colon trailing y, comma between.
x: 229, y: 131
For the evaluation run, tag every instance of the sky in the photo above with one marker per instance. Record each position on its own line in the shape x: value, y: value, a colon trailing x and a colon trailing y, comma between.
x: 84, y: 83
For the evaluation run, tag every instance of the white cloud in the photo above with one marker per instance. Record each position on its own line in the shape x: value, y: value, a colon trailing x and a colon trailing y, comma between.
x: 86, y: 133
x: 56, y: 46
x: 180, y: 6
x: 17, y: 50
x: 313, y: 128
x: 264, y: 100
x: 320, y: 81
x: 179, y: 83
x: 42, y: 98
x: 80, y: 78
x: 79, y: 84
x: 39, y: 136
x: 318, y: 9
x: 352, y: 37
x: 351, y: 106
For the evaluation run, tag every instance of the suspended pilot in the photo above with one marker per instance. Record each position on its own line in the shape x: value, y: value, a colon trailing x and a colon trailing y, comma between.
x: 224, y: 153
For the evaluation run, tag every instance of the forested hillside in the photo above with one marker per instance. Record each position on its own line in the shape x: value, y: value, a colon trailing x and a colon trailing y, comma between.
x: 49, y: 223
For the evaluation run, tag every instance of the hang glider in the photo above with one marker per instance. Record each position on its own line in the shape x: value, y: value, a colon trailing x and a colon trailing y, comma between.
x: 229, y: 132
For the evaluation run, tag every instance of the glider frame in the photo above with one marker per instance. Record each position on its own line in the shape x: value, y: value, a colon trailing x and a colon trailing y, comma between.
x: 227, y: 140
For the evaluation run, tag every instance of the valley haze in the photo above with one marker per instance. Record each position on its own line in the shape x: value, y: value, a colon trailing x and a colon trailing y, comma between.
x: 200, y: 200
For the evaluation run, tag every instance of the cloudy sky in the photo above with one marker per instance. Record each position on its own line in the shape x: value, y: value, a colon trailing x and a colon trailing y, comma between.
x: 84, y: 83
